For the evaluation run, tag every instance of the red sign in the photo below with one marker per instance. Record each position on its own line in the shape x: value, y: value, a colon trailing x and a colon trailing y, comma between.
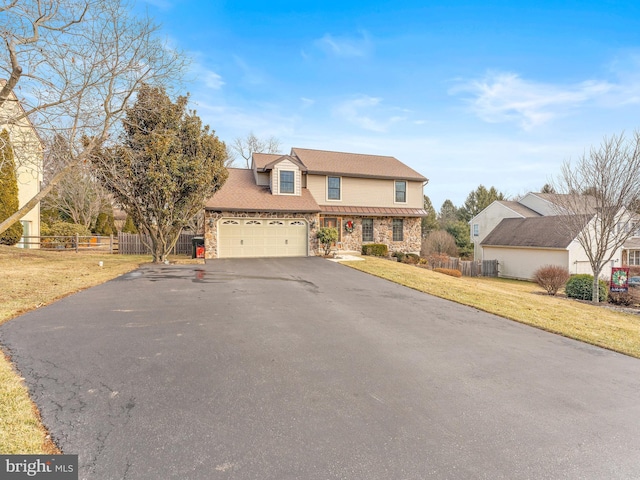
x: 619, y: 279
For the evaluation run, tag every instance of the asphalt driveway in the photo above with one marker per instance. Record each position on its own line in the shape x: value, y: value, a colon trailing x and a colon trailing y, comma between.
x: 306, y: 369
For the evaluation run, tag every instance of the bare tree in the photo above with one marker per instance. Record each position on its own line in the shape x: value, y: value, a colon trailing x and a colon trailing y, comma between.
x: 604, y: 183
x: 439, y: 242
x: 245, y: 147
x: 73, y: 66
x: 78, y: 195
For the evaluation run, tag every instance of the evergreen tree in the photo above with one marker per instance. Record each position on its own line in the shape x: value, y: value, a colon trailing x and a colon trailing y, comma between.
x: 430, y: 222
x: 164, y: 168
x: 9, y: 202
x: 478, y: 200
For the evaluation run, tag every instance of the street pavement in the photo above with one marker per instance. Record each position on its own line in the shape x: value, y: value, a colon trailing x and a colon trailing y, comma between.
x: 302, y: 368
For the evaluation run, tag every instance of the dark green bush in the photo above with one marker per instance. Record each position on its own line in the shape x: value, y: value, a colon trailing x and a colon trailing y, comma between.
x: 581, y: 287
x: 375, y: 249
x: 399, y: 255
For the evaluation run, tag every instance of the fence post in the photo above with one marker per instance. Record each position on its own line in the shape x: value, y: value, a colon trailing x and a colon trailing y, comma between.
x: 111, y: 244
x: 77, y: 241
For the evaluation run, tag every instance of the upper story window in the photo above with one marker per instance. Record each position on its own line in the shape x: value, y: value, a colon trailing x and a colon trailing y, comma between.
x: 333, y: 188
x: 287, y: 181
x: 401, y: 191
x: 476, y: 229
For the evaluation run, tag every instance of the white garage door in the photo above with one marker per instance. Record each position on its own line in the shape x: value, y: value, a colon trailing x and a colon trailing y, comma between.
x: 262, y: 237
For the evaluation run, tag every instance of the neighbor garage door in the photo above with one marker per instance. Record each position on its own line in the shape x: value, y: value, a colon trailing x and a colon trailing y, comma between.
x: 251, y: 237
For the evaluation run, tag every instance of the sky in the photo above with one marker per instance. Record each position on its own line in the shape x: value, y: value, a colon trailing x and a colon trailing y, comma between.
x: 498, y: 93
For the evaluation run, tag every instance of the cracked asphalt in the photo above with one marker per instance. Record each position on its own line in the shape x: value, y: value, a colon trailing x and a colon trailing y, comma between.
x: 306, y: 369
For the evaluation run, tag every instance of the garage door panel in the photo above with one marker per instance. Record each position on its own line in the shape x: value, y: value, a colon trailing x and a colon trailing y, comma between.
x: 262, y: 238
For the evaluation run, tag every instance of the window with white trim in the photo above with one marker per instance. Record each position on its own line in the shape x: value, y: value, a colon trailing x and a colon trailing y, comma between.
x: 333, y: 188
x: 634, y: 257
x: 476, y: 230
x: 287, y: 181
x: 401, y: 191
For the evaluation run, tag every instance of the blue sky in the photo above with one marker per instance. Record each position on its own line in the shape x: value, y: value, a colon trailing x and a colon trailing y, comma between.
x: 498, y: 93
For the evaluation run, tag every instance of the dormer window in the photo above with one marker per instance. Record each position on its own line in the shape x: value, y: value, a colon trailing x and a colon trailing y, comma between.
x: 287, y: 181
x: 401, y: 191
x: 333, y: 188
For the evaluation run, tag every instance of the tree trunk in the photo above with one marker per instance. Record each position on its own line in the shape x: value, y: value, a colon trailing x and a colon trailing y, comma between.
x: 595, y: 296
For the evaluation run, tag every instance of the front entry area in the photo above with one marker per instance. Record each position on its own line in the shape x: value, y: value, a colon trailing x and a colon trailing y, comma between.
x: 262, y: 237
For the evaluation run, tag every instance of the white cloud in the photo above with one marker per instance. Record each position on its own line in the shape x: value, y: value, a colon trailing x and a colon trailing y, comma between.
x: 307, y: 102
x: 345, y: 46
x: 213, y: 80
x: 367, y: 113
x: 506, y: 97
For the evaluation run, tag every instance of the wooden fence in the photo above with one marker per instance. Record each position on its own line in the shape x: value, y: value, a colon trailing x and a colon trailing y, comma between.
x: 131, y: 244
x: 469, y: 268
x: 77, y: 243
x: 123, y: 243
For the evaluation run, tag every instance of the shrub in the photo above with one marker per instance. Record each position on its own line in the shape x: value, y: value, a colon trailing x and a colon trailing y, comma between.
x: 399, y: 255
x: 105, y: 224
x: 375, y: 249
x: 62, y: 231
x: 449, y: 271
x: 327, y: 236
x: 437, y: 260
x: 439, y: 242
x: 8, y: 191
x: 129, y: 226
x: 411, y: 258
x: 581, y: 287
x: 621, y: 298
x: 551, y: 277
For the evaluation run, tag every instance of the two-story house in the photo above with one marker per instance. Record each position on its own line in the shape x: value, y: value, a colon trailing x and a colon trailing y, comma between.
x: 540, y: 229
x: 276, y: 207
x: 28, y: 155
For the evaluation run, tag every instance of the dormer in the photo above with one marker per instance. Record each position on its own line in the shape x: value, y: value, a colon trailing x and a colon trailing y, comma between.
x: 283, y: 174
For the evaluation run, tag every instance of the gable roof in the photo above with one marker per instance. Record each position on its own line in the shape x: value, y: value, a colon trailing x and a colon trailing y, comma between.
x: 541, y: 232
x: 518, y: 208
x: 324, y: 162
x: 580, y: 204
x: 240, y: 193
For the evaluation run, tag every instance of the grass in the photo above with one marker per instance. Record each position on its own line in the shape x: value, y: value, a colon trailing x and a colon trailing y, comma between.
x: 523, y: 302
x: 31, y: 279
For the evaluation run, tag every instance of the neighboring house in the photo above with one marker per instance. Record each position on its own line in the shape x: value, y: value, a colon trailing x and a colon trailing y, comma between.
x: 28, y: 153
x: 532, y: 232
x: 276, y: 207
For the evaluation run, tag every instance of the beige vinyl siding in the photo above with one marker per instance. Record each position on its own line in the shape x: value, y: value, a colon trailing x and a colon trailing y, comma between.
x: 28, y: 157
x: 521, y: 263
x: 365, y: 192
x: 275, y: 177
x: 262, y: 178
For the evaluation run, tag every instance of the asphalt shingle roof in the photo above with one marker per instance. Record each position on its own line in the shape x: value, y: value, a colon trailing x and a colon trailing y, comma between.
x: 542, y: 232
x: 241, y: 194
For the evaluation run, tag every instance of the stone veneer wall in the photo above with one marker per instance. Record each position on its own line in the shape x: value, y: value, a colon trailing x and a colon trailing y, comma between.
x: 211, y: 233
x: 383, y: 233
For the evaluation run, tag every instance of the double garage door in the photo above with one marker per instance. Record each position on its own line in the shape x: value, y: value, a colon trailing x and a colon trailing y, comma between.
x: 262, y: 237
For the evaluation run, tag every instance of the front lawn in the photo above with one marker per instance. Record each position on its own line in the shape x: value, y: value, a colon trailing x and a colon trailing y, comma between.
x: 523, y: 302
